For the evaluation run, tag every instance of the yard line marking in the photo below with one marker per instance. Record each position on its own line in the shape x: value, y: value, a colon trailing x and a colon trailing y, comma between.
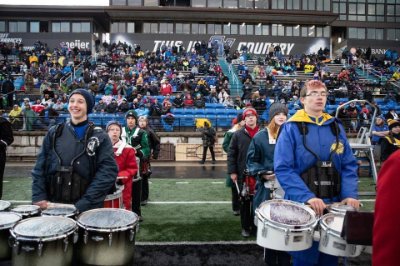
x: 368, y: 200
x: 217, y: 182
x: 182, y: 182
x: 196, y: 243
x: 189, y: 202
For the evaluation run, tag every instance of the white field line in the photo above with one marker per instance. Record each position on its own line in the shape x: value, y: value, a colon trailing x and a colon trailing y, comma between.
x: 194, y: 243
x: 171, y: 202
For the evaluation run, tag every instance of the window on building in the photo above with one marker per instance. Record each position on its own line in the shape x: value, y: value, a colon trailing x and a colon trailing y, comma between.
x: 341, y: 9
x: 2, y: 26
x: 182, y: 28
x: 293, y: 4
x: 198, y: 28
x: 261, y: 29
x: 118, y: 27
x: 80, y: 26
x: 150, y: 27
x: 166, y: 28
x: 247, y: 3
x: 277, y: 4
x: 309, y: 5
x: 182, y: 2
x: 130, y: 27
x: 199, y: 3
x: 324, y: 5
x: 393, y: 34
x: 34, y: 26
x: 215, y: 3
x: 150, y: 2
x: 134, y: 2
x: 231, y: 3
x: 118, y: 2
x: 60, y: 27
x: 234, y: 28
x: 356, y: 33
x: 18, y: 26
x: 277, y: 30
x: 375, y: 34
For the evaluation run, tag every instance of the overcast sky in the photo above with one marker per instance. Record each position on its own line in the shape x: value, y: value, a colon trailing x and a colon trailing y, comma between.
x: 56, y: 3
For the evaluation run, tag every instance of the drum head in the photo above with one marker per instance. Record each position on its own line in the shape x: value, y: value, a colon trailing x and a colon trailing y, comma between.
x: 333, y: 221
x: 26, y: 209
x: 60, y: 210
x: 287, y: 212
x: 107, y: 219
x: 4, y: 205
x: 43, y: 228
x: 8, y: 219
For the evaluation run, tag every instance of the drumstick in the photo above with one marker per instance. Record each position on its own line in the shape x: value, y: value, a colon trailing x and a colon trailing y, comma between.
x: 237, y: 187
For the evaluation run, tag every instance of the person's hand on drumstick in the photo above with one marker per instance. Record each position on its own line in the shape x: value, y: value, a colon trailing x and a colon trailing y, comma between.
x: 318, y: 205
x: 234, y: 177
x: 43, y: 204
x: 352, y: 202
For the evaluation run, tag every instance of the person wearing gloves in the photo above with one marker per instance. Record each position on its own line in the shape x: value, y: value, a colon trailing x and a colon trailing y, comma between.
x: 76, y: 163
x: 126, y: 161
x: 260, y: 163
x: 138, y: 139
x: 314, y: 163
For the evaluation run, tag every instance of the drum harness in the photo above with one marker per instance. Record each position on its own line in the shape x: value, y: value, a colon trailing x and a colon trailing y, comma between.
x: 323, y: 174
x: 66, y: 185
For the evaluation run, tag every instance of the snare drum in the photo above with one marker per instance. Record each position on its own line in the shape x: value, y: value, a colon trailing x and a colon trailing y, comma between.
x: 27, y: 210
x: 43, y: 241
x: 7, y: 220
x: 331, y: 243
x: 107, y: 237
x: 65, y: 210
x: 114, y: 200
x: 285, y: 225
x: 4, y: 205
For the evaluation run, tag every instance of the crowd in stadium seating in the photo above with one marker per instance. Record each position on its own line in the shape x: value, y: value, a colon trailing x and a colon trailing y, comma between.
x: 122, y: 77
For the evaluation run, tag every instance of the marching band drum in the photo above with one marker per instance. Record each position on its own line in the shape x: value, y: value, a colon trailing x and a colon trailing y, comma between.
x: 27, y: 210
x: 106, y: 236
x: 4, y: 205
x: 290, y: 226
x: 7, y: 220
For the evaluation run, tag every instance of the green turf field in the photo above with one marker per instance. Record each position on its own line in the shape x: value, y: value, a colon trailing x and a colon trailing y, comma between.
x: 181, y: 209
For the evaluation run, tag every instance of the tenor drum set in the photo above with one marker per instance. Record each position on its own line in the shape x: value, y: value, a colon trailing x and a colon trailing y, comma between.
x: 58, y: 236
x: 290, y: 226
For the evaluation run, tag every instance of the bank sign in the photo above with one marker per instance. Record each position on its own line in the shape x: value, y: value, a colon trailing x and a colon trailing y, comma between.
x: 257, y: 45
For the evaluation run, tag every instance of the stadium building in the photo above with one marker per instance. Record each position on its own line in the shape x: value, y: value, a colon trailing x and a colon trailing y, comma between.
x: 298, y: 26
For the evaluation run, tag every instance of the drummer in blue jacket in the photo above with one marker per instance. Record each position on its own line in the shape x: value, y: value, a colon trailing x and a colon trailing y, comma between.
x: 314, y: 163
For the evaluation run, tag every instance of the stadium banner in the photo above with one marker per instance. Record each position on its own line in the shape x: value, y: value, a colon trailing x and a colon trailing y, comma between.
x: 83, y: 41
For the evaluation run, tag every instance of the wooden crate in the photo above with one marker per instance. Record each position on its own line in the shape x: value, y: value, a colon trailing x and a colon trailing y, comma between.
x: 194, y: 152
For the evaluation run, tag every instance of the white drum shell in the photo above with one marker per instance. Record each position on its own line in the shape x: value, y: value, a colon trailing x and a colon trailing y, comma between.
x: 331, y: 243
x: 54, y: 250
x: 107, y: 245
x: 283, y: 237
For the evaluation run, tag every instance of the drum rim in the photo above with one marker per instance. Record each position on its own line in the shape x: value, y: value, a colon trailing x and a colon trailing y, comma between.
x: 35, y: 211
x: 73, y: 212
x: 6, y: 206
x: 325, y: 227
x: 11, y: 224
x: 47, y: 238
x: 103, y: 229
x: 335, y: 207
x: 262, y: 218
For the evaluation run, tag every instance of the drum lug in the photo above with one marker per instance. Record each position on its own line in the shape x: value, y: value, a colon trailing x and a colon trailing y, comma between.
x: 353, y: 249
x: 97, y: 238
x: 66, y: 242
x: 85, y: 237
x: 287, y: 236
x: 325, y: 239
x: 132, y: 235
x: 109, y: 239
x: 40, y: 249
x: 264, y: 231
x: 16, y: 247
x: 76, y: 236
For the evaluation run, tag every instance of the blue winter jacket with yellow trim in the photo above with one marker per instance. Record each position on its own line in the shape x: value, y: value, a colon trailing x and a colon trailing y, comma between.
x: 291, y: 158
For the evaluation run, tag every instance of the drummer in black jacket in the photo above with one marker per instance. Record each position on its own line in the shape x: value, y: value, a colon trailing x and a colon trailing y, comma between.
x: 6, y: 138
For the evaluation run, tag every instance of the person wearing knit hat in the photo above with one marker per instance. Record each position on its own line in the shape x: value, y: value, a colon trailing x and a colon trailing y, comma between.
x: 83, y: 151
x: 88, y: 99
x: 379, y: 131
x: 391, y: 142
x: 125, y: 157
x: 237, y: 152
x: 138, y: 139
x: 260, y: 163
